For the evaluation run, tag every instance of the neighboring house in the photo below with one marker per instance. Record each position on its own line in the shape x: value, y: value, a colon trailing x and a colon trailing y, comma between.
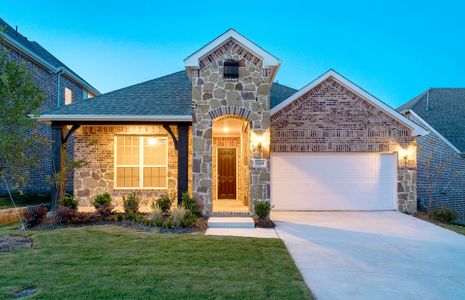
x: 441, y: 155
x: 60, y: 85
x: 223, y: 130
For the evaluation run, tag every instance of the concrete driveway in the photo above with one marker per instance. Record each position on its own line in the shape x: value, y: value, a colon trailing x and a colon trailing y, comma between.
x: 374, y: 255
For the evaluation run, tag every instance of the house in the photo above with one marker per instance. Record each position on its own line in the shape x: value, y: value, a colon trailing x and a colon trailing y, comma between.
x: 441, y: 155
x: 223, y: 130
x: 61, y: 86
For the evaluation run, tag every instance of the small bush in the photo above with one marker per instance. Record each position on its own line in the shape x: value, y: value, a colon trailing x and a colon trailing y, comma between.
x: 168, y: 223
x: 190, y: 220
x: 443, y: 215
x: 34, y: 215
x: 66, y: 215
x: 262, y: 209
x: 119, y: 217
x: 102, y: 204
x: 156, y: 214
x: 159, y: 223
x: 178, y: 214
x: 191, y: 204
x: 69, y: 202
x: 164, y: 202
x: 131, y: 204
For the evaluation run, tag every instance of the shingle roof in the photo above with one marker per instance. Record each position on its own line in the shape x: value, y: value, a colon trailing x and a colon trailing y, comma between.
x: 170, y: 95
x: 37, y: 49
x: 445, y: 112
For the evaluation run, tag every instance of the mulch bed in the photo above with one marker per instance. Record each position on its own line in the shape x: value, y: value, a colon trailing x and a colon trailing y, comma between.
x: 264, y: 223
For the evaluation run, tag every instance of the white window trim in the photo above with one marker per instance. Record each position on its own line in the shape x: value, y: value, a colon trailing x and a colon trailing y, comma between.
x: 71, y: 95
x: 141, y: 163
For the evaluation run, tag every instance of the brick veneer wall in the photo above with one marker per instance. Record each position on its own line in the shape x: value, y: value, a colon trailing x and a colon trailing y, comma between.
x: 441, y: 174
x: 95, y: 145
x: 213, y: 97
x: 47, y: 81
x: 331, y: 118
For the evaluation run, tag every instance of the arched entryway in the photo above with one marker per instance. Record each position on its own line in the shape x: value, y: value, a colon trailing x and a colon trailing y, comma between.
x: 230, y: 165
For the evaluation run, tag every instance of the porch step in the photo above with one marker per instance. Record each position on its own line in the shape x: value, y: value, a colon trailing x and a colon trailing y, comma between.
x: 231, y: 222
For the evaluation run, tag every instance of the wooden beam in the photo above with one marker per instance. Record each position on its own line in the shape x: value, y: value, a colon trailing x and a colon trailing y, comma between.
x: 70, y: 133
x: 168, y: 128
x: 183, y: 160
x: 57, y: 161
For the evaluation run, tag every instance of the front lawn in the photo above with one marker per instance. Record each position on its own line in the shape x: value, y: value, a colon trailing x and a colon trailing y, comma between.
x: 112, y: 262
x: 457, y: 228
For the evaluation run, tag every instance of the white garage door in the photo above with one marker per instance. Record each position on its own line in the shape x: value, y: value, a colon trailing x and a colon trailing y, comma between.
x: 307, y: 181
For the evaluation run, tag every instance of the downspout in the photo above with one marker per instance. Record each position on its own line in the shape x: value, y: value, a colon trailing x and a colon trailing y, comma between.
x: 59, y: 71
x: 427, y: 99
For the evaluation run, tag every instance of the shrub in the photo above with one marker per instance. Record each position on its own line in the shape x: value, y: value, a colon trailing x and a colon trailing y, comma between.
x: 190, y: 220
x: 262, y: 209
x: 34, y: 215
x: 69, y: 202
x: 119, y: 217
x: 168, y: 223
x: 103, y: 205
x: 66, y: 215
x: 131, y: 204
x: 164, y: 202
x: 443, y: 215
x: 191, y: 204
x: 156, y: 214
x: 178, y: 214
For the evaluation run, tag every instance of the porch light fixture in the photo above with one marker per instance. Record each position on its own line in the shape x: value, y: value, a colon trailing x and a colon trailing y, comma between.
x: 226, y: 129
x: 260, y: 141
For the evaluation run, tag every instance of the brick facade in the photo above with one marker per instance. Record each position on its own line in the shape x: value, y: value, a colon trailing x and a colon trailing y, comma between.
x: 96, y: 146
x: 331, y: 118
x: 441, y: 175
x: 48, y: 82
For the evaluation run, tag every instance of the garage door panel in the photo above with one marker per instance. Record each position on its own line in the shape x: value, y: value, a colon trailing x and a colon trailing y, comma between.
x: 333, y: 181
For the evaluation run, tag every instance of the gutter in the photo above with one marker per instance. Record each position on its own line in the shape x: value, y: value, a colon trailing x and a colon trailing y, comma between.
x: 49, y: 67
x: 134, y: 118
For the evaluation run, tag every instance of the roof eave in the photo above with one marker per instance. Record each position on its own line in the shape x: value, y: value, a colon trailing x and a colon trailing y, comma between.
x: 49, y: 67
x: 115, y: 118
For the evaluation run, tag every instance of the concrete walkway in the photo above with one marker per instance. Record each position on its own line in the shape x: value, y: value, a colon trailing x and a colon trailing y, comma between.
x: 244, y: 232
x: 374, y: 255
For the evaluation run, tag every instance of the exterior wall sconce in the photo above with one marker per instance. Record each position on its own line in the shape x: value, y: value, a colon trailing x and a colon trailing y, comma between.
x: 260, y: 142
x: 407, y: 156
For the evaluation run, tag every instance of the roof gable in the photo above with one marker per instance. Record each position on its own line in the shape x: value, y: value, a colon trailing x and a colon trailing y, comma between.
x: 416, y: 129
x: 268, y: 59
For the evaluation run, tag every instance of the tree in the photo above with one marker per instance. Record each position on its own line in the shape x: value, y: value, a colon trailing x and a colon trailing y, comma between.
x: 20, y: 100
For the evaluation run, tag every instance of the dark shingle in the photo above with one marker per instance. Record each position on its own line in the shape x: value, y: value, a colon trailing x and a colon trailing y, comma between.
x: 36, y: 48
x: 445, y: 112
x: 167, y: 95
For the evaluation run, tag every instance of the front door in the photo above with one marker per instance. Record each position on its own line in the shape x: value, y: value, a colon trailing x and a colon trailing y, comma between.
x: 226, y: 173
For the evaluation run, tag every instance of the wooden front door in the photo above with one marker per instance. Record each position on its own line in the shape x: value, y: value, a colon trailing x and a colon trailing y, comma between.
x: 226, y: 173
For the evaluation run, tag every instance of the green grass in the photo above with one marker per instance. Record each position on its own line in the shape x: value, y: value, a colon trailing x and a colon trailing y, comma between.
x: 457, y: 228
x: 111, y: 262
x: 24, y: 200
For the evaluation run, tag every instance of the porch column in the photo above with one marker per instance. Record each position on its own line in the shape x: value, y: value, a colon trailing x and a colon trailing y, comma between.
x: 57, y: 143
x: 183, y: 159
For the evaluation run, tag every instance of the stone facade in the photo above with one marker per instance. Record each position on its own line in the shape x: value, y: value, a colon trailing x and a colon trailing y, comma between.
x: 248, y: 98
x: 48, y: 82
x: 96, y: 146
x: 331, y: 118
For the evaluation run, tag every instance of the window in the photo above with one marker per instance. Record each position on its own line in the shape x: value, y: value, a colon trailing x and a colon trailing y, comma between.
x: 231, y: 69
x: 68, y: 96
x: 141, y: 161
x: 85, y: 95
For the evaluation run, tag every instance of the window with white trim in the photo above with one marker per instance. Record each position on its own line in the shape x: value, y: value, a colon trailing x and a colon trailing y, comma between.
x: 141, y: 162
x: 68, y: 96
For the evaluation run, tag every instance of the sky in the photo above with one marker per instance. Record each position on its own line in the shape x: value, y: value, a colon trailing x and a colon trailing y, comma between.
x: 393, y: 49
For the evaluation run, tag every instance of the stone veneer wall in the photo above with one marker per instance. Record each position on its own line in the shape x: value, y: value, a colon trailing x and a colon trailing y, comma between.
x: 95, y: 145
x: 331, y: 118
x: 213, y: 97
x: 227, y: 142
